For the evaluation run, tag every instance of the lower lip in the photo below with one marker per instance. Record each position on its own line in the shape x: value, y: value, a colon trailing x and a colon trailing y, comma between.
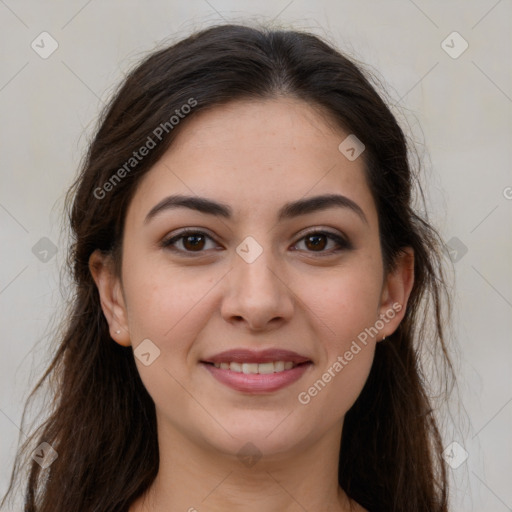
x: 257, y: 382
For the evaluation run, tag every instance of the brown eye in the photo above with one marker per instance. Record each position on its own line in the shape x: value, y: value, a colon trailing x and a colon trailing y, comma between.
x: 193, y: 242
x: 188, y: 242
x: 316, y: 241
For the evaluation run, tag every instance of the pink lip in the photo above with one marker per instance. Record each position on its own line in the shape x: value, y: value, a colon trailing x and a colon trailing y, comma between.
x: 240, y: 355
x: 257, y: 383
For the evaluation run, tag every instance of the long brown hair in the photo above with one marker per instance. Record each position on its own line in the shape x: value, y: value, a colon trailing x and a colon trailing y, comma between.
x: 103, y: 422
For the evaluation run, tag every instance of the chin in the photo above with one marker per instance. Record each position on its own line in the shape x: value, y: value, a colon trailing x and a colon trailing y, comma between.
x: 264, y: 434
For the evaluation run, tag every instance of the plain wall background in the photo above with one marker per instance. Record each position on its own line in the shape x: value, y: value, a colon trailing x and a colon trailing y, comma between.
x: 457, y: 110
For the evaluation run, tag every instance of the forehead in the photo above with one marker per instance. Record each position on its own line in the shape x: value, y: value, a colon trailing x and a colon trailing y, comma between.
x: 257, y: 155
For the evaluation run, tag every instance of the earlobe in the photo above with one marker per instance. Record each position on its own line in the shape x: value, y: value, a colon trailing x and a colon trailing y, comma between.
x: 111, y: 297
x: 396, y: 290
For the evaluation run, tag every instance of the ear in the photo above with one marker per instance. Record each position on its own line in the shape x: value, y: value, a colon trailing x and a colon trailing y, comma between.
x: 111, y: 296
x: 395, y: 292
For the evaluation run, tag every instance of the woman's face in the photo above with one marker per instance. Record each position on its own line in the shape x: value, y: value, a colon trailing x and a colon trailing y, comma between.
x: 259, y: 272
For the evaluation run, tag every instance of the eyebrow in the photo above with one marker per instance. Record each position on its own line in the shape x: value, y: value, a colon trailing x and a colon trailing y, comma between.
x: 288, y: 211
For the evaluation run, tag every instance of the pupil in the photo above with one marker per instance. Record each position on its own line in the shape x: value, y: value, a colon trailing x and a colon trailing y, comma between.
x: 317, y: 244
x: 193, y: 244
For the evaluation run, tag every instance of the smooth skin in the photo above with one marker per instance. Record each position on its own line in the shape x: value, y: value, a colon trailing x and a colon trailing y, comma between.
x: 302, y: 294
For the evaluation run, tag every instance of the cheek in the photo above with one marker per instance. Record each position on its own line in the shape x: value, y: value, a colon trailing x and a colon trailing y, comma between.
x: 166, y: 306
x: 347, y: 301
x: 163, y: 301
x: 346, y: 307
x: 170, y: 307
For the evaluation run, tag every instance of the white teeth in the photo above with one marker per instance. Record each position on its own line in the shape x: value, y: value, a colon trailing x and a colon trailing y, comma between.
x: 255, y: 368
x: 249, y: 367
x: 279, y: 366
x: 266, y: 367
x: 235, y: 367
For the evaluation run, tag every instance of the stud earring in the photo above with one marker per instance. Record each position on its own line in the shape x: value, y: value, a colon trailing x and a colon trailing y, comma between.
x: 118, y: 332
x: 383, y: 338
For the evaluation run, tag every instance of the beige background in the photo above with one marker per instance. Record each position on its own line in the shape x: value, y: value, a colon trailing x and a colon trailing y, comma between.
x: 457, y: 110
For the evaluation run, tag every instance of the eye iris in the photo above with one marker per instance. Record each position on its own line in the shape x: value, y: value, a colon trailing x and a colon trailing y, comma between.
x: 316, y: 244
x: 194, y: 244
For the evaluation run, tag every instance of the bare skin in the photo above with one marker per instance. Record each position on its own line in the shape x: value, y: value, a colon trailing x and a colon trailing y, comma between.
x: 197, y: 300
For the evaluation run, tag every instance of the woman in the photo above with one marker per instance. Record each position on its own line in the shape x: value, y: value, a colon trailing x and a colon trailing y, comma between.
x: 253, y: 288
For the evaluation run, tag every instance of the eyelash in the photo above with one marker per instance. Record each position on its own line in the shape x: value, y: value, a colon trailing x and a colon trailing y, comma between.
x: 342, y: 243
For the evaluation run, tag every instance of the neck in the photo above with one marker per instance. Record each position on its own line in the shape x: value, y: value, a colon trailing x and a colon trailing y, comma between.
x: 197, y: 478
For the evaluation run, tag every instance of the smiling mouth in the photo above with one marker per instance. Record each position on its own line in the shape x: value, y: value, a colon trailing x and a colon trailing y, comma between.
x: 257, y: 368
x: 257, y: 378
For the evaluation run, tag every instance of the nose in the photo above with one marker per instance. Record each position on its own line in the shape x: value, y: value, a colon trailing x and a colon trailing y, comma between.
x: 257, y: 294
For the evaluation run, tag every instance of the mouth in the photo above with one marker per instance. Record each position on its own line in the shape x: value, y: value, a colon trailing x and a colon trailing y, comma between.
x: 257, y: 372
x: 257, y: 368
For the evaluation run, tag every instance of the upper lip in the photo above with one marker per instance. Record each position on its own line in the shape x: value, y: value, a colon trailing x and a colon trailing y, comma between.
x: 241, y: 355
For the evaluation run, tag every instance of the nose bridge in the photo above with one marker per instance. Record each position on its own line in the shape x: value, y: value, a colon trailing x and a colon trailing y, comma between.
x: 257, y: 292
x: 256, y: 267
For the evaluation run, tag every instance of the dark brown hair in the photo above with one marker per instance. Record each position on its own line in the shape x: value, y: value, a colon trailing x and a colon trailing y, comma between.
x: 103, y: 422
